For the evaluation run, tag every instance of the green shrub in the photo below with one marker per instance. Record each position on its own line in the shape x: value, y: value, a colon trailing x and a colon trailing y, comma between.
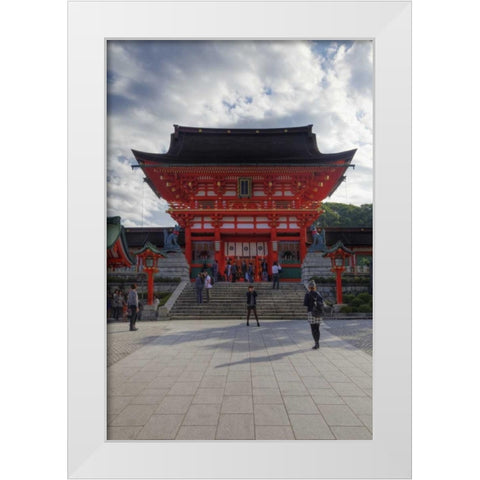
x: 164, y: 298
x: 365, y: 297
x: 361, y: 303
x: 347, y: 298
x: 356, y: 302
x: 365, y: 308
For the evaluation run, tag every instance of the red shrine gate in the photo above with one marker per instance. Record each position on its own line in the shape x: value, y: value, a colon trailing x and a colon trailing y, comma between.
x: 244, y: 194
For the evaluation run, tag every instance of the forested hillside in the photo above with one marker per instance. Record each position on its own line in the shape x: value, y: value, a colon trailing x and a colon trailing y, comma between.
x: 345, y: 215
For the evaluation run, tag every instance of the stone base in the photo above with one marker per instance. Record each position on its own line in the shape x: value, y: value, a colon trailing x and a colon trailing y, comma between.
x: 315, y: 265
x: 174, y: 266
x: 149, y: 313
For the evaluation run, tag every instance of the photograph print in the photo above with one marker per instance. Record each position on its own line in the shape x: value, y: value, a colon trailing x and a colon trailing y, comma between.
x: 239, y: 180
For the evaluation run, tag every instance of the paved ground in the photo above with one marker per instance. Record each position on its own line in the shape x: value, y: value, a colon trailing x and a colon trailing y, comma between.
x: 121, y: 342
x: 210, y: 380
x: 356, y: 332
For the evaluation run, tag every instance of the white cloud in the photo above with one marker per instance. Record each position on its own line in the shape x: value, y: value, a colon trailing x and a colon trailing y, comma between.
x: 153, y: 85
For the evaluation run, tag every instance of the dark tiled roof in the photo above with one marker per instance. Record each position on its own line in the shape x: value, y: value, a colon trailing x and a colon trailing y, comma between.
x: 360, y: 236
x: 350, y: 237
x: 192, y: 145
x: 153, y: 248
x: 338, y: 246
x: 138, y: 237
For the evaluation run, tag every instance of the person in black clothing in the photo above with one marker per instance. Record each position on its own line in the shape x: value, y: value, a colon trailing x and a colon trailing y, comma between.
x: 244, y: 270
x: 215, y: 271
x: 312, y: 316
x: 252, y: 304
x: 132, y: 302
x: 250, y: 272
x: 199, y: 281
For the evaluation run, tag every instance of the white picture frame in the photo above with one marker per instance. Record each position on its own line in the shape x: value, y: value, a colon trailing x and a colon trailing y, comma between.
x: 388, y: 454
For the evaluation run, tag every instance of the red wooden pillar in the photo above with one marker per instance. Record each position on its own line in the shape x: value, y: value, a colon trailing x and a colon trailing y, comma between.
x: 188, y: 244
x: 339, y: 285
x: 274, y: 245
x: 149, y: 256
x: 258, y: 269
x: 150, y: 287
x: 338, y: 255
x: 303, y: 243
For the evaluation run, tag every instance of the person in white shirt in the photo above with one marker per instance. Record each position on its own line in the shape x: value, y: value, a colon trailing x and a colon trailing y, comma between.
x: 208, y: 285
x: 276, y: 268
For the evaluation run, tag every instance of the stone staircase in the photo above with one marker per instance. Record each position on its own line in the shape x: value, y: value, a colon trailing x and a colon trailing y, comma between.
x: 228, y: 301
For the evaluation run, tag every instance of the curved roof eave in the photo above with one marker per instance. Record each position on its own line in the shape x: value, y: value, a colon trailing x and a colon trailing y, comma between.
x: 169, y: 160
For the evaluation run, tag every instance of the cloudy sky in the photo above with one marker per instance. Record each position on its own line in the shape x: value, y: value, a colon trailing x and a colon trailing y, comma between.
x: 152, y: 85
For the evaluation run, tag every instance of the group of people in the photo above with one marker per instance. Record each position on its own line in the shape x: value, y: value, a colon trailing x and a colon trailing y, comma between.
x: 127, y: 306
x: 235, y: 271
x: 118, y: 304
x: 239, y: 270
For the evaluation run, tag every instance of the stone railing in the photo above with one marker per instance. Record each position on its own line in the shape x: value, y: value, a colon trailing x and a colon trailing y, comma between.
x: 164, y: 310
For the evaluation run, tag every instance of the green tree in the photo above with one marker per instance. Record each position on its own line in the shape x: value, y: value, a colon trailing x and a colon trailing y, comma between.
x: 346, y: 215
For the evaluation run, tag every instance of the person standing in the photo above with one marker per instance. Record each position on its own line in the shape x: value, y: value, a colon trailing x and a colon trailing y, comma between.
x: 252, y: 304
x: 228, y: 272
x: 132, y: 305
x: 199, y: 287
x: 264, y: 271
x: 276, y: 275
x: 156, y: 304
x: 311, y: 300
x: 250, y: 272
x: 244, y: 270
x: 215, y: 271
x: 264, y: 265
x: 208, y: 285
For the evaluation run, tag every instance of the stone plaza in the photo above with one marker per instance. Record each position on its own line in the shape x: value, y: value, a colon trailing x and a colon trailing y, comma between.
x: 222, y: 380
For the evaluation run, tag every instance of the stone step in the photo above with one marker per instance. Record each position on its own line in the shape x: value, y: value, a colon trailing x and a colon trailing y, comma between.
x: 228, y: 302
x: 236, y: 317
x: 231, y: 302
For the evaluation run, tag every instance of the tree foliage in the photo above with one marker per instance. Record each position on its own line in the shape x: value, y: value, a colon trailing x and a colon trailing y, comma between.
x: 346, y: 215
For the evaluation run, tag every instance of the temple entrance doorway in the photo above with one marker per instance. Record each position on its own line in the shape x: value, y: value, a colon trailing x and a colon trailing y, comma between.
x: 249, y: 257
x: 246, y: 268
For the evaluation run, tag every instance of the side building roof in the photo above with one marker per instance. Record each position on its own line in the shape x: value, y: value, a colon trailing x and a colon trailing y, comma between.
x: 349, y: 236
x: 116, y: 234
x: 138, y: 236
